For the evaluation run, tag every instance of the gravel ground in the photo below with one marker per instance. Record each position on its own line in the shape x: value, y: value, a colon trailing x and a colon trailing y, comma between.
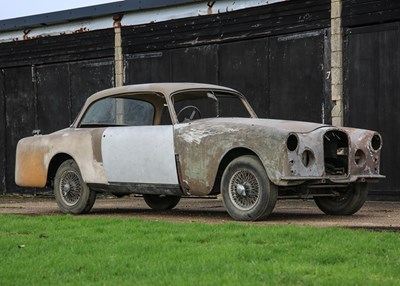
x: 374, y: 215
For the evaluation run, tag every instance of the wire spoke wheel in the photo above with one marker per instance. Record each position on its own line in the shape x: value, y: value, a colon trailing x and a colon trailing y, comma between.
x: 244, y: 190
x: 70, y: 188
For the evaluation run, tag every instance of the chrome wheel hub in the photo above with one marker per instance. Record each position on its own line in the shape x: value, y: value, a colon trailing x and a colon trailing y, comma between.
x: 240, y: 189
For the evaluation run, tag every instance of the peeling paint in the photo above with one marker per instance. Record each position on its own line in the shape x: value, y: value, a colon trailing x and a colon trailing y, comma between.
x: 195, y: 136
x: 81, y: 30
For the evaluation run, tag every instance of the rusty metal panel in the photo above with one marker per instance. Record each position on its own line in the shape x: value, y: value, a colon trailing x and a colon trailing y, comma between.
x: 371, y: 92
x: 20, y: 115
x: 244, y: 66
x: 297, y: 77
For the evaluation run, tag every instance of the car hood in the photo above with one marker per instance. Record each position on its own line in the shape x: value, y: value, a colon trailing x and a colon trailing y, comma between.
x: 284, y: 125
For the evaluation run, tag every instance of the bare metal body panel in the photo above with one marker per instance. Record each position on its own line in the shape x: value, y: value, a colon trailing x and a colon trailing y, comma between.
x: 139, y: 154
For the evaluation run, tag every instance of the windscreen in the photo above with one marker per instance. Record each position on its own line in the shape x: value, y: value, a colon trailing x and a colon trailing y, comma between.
x: 208, y: 104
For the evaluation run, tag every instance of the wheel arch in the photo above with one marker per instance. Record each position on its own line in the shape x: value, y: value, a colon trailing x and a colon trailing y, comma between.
x: 226, y: 159
x: 54, y: 164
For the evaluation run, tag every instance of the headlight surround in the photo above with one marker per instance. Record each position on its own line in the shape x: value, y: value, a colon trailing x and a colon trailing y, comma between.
x: 292, y: 142
x: 376, y: 142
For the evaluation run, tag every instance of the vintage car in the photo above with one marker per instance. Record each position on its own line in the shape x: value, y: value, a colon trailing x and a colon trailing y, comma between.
x: 168, y: 140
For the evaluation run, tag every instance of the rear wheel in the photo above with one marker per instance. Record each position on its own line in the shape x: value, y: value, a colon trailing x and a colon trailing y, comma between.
x: 347, y: 203
x: 71, y: 192
x: 246, y: 190
x: 161, y: 202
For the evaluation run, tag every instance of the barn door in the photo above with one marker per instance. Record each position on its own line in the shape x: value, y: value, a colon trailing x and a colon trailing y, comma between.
x: 371, y: 92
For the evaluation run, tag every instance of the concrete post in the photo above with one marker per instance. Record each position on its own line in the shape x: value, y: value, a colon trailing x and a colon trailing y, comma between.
x: 118, y: 57
x: 337, y: 62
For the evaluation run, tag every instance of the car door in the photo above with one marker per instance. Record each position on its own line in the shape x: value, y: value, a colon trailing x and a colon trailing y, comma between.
x: 133, y: 150
x: 139, y: 154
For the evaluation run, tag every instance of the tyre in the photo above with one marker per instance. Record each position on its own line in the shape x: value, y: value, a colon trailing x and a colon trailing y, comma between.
x: 160, y: 202
x: 72, y: 194
x: 348, y: 203
x: 247, y: 193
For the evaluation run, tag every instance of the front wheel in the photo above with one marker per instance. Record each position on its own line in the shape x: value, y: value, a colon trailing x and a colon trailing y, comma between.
x: 161, y: 202
x: 347, y: 203
x: 71, y: 192
x: 247, y: 192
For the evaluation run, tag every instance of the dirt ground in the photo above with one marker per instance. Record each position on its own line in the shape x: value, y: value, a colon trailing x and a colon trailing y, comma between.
x: 374, y: 215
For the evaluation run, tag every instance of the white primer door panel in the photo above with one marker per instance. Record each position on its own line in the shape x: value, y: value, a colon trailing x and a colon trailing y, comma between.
x: 139, y: 154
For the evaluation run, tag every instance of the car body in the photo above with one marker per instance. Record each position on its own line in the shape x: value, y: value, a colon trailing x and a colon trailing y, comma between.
x: 168, y: 140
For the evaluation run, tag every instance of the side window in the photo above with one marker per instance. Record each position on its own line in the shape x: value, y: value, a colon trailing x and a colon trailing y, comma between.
x: 100, y: 112
x: 119, y: 112
x: 137, y: 113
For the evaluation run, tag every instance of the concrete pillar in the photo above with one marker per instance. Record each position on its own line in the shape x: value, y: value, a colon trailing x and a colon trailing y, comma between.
x: 337, y: 62
x: 118, y: 58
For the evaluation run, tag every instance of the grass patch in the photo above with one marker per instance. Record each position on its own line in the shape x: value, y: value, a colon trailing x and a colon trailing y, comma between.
x: 67, y: 250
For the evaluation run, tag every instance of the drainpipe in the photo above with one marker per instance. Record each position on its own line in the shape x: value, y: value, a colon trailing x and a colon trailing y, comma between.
x: 337, y: 63
x: 118, y: 57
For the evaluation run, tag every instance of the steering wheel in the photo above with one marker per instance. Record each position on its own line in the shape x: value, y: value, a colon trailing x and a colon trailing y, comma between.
x: 188, y: 113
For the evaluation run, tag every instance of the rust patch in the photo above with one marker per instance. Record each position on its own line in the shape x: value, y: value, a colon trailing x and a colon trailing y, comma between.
x: 27, y: 37
x: 210, y: 4
x: 80, y: 30
x: 117, y: 20
x: 30, y: 171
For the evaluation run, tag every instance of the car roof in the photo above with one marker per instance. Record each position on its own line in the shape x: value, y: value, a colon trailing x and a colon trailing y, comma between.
x: 166, y: 88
